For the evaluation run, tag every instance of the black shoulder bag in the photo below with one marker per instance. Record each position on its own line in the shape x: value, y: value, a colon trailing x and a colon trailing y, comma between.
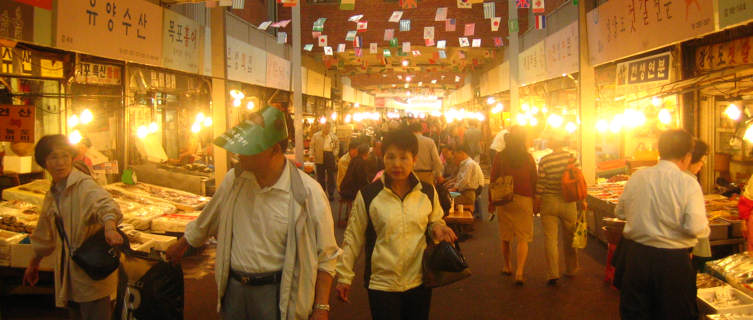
x: 95, y: 256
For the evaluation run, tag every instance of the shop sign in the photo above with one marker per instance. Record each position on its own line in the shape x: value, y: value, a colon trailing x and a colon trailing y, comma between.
x: 725, y: 54
x: 26, y: 21
x: 101, y: 74
x: 123, y: 30
x: 17, y: 123
x: 278, y: 70
x: 181, y: 48
x: 732, y: 12
x: 650, y: 69
x: 532, y: 64
x: 246, y: 63
x: 207, y: 56
x: 27, y: 62
x: 162, y: 80
x: 562, y: 51
x: 619, y: 29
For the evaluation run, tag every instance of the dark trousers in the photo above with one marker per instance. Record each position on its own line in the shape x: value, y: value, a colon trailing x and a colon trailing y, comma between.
x: 408, y: 305
x: 657, y: 283
x: 325, y: 173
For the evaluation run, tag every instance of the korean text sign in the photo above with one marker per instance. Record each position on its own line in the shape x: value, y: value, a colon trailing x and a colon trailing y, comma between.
x: 17, y: 123
x: 129, y: 30
x: 182, y: 43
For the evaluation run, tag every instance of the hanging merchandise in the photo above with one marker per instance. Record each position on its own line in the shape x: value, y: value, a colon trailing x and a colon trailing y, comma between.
x: 308, y: 47
x: 347, y: 4
x: 319, y: 24
x: 469, y: 29
x: 489, y: 10
x: 449, y: 25
x: 280, y: 24
x: 355, y: 18
x: 442, y: 54
x: 396, y: 16
x: 441, y: 14
x: 513, y: 25
x: 404, y: 25
x: 387, y: 53
x: 373, y: 48
x: 429, y: 42
x: 328, y: 50
x: 357, y: 42
x: 498, y: 42
x: 406, y: 47
x: 538, y: 6
x: 495, y: 22
x: 394, y: 42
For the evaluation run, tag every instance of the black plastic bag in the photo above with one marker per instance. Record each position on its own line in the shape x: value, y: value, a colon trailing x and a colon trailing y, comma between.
x: 149, y: 289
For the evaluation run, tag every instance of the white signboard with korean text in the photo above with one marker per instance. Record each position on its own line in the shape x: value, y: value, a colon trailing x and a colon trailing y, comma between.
x: 278, y: 72
x: 246, y: 63
x: 124, y: 30
x: 532, y: 64
x: 562, y: 51
x: 182, y: 43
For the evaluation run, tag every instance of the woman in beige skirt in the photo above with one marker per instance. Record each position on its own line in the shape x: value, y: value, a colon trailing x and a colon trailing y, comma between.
x: 516, y: 217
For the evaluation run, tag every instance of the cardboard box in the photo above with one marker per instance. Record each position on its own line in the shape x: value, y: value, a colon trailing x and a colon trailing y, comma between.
x: 706, y: 296
x: 17, y: 164
x: 21, y: 254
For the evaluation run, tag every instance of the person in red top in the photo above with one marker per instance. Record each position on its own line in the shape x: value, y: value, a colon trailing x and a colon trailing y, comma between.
x: 516, y: 217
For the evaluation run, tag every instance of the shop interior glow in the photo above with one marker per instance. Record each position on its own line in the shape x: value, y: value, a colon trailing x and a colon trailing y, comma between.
x: 208, y: 122
x: 86, y: 116
x: 73, y: 121
x: 436, y: 114
x: 533, y: 122
x: 617, y: 123
x: 200, y: 117
x: 602, y: 125
x: 142, y: 132
x: 554, y: 120
x: 733, y: 112
x: 75, y: 137
x: 665, y: 116
x: 656, y: 101
x: 250, y: 105
x: 571, y: 127
x: 498, y: 108
x: 633, y: 118
x: 334, y: 116
x: 534, y: 110
x: 322, y: 120
x: 525, y: 107
x: 356, y: 105
x: 196, y: 127
x: 490, y: 100
x: 348, y: 118
x: 521, y: 119
x: 408, y: 78
x: 405, y: 63
x: 153, y: 127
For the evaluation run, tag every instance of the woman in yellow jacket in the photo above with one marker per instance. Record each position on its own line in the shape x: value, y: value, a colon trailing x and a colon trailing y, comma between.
x: 392, y: 227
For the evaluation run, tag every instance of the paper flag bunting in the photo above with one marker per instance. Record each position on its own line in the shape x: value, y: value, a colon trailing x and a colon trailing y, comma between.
x: 441, y: 44
x: 416, y: 53
x: 389, y: 34
x: 288, y: 3
x: 476, y: 43
x: 355, y: 18
x: 538, y: 6
x: 282, y: 37
x: 315, y: 34
x: 341, y: 48
x: 404, y: 25
x: 406, y: 47
x: 441, y: 14
x: 362, y: 26
x: 357, y: 42
x: 428, y: 32
x: 429, y: 42
x: 461, y: 55
x: 442, y: 54
x: 495, y: 22
x: 464, y: 4
x: 358, y: 52
x: 308, y: 47
x: 387, y: 53
x: 280, y: 24
x: 396, y: 16
x: 347, y: 4
x: 264, y: 25
x: 541, y: 22
x: 393, y: 42
x: 323, y: 41
x: 513, y: 25
x: 498, y: 42
x: 449, y: 25
x: 469, y: 29
x: 489, y: 10
x: 476, y: 1
x: 328, y: 50
x: 457, y: 78
x: 373, y: 48
x: 523, y: 3
x: 463, y: 41
x: 320, y: 22
x: 351, y: 35
x: 408, y: 4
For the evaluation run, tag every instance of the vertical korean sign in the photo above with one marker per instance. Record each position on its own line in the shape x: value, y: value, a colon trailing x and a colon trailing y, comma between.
x: 532, y: 64
x: 619, y: 29
x: 278, y: 73
x: 562, y: 51
x: 26, y: 20
x: 246, y: 63
x: 117, y: 29
x: 17, y: 123
x: 732, y: 12
x: 182, y: 43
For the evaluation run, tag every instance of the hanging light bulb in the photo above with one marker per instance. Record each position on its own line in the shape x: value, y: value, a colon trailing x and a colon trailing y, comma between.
x: 490, y: 100
x: 656, y: 101
x: 521, y: 119
x: 348, y: 118
x: 334, y: 116
x: 75, y: 137
x: 665, y: 116
x: 73, y: 121
x: 208, y: 122
x: 554, y: 120
x: 748, y: 136
x: 200, y: 117
x: 571, y: 127
x: 322, y: 120
x: 634, y: 118
x: 733, y: 112
x: 86, y: 116
x: 250, y: 105
x: 153, y: 127
x: 142, y: 132
x: 405, y: 63
x: 356, y: 105
x: 196, y: 127
x: 236, y: 103
x: 617, y: 123
x: 602, y: 125
x: 525, y: 107
x: 533, y: 121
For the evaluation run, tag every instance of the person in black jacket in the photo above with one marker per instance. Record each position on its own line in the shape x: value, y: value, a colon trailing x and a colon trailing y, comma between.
x: 360, y: 173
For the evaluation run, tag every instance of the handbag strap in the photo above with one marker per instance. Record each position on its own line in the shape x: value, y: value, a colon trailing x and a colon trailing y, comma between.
x: 62, y: 234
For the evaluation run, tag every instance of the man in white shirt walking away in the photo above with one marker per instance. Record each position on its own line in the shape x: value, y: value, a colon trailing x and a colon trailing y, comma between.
x: 665, y: 214
x: 428, y: 165
x: 325, y: 147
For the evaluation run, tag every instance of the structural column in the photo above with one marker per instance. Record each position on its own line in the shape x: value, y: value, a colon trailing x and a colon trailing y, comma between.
x: 297, y: 83
x: 587, y: 101
x: 219, y: 90
x: 512, y: 56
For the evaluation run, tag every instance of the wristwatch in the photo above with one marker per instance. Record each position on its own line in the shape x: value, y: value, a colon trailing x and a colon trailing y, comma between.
x: 324, y: 307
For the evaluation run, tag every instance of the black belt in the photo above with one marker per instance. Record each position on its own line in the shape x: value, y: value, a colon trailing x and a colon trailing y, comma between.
x: 247, y: 279
x: 423, y: 170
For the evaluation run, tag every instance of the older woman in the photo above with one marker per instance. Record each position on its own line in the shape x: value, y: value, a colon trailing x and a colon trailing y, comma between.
x: 83, y: 208
x: 390, y: 218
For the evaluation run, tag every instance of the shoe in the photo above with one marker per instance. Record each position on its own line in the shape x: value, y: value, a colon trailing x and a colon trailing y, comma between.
x: 506, y: 273
x: 552, y: 282
x: 519, y: 281
x: 570, y: 275
x: 492, y: 216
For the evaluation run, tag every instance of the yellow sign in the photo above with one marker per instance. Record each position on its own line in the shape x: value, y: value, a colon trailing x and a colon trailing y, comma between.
x: 726, y: 54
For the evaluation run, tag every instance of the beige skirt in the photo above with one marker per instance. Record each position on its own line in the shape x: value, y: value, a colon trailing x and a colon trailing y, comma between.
x: 516, y: 219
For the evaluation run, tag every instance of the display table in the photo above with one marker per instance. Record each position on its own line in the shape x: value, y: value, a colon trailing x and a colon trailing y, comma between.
x: 194, y: 182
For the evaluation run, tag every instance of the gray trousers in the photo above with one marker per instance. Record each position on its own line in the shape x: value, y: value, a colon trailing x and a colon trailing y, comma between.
x: 251, y: 302
x: 93, y: 310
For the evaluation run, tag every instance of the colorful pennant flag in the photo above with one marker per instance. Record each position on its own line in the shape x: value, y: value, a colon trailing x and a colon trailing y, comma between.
x: 416, y: 53
x: 441, y: 14
x: 408, y: 4
x: 464, y: 4
x: 541, y: 22
x: 357, y: 52
x: 280, y: 24
x: 406, y: 47
x: 315, y: 34
x: 449, y: 25
x: 319, y: 24
x: 373, y: 48
x: 386, y: 53
x: 489, y: 10
x: 442, y: 54
x: 347, y: 4
x: 463, y: 41
x: 498, y: 42
x: 389, y: 34
x: 476, y: 43
x: 308, y: 47
x: 513, y: 25
x: 393, y: 42
x: 461, y: 55
x: 429, y: 42
x: 341, y: 48
x: 323, y: 41
x: 282, y: 37
x: 428, y: 32
x: 441, y: 44
x: 469, y: 29
x: 350, y: 36
x: 538, y: 6
x: 404, y: 25
x: 396, y: 16
x: 357, y: 42
x: 264, y: 25
x: 495, y: 22
x: 355, y: 18
x: 361, y: 26
x: 523, y: 3
x: 288, y: 3
x: 328, y: 50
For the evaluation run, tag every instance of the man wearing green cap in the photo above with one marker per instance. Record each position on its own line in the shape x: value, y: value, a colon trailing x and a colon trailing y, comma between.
x: 276, y: 248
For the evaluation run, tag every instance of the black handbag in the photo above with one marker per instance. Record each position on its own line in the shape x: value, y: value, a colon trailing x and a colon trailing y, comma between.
x: 443, y: 264
x: 95, y: 256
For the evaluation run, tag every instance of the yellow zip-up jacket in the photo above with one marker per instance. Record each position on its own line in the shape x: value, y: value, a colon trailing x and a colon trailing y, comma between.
x: 400, y: 227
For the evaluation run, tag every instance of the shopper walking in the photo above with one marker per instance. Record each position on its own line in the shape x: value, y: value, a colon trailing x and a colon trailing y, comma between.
x: 428, y: 166
x: 516, y: 217
x: 325, y: 147
x: 390, y: 218
x: 665, y: 215
x: 77, y: 205
x: 360, y: 173
x: 555, y: 211
x: 276, y: 248
x: 498, y: 144
x: 473, y: 137
x: 344, y: 162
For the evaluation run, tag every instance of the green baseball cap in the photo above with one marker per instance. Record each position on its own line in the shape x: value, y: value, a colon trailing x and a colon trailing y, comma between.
x: 261, y: 132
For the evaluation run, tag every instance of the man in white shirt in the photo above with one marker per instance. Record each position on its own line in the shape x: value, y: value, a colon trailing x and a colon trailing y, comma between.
x: 276, y: 248
x: 325, y: 147
x: 498, y: 144
x: 665, y: 214
x: 428, y: 165
x: 469, y: 179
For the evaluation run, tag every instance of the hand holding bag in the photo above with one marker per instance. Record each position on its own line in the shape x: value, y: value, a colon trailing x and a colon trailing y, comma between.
x: 580, y: 236
x: 95, y: 256
x: 501, y: 190
x: 443, y: 264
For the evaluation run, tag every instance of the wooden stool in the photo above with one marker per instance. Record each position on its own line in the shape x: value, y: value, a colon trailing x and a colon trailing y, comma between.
x: 348, y: 204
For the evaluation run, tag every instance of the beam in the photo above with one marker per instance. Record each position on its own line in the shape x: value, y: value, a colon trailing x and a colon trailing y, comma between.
x: 297, y: 84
